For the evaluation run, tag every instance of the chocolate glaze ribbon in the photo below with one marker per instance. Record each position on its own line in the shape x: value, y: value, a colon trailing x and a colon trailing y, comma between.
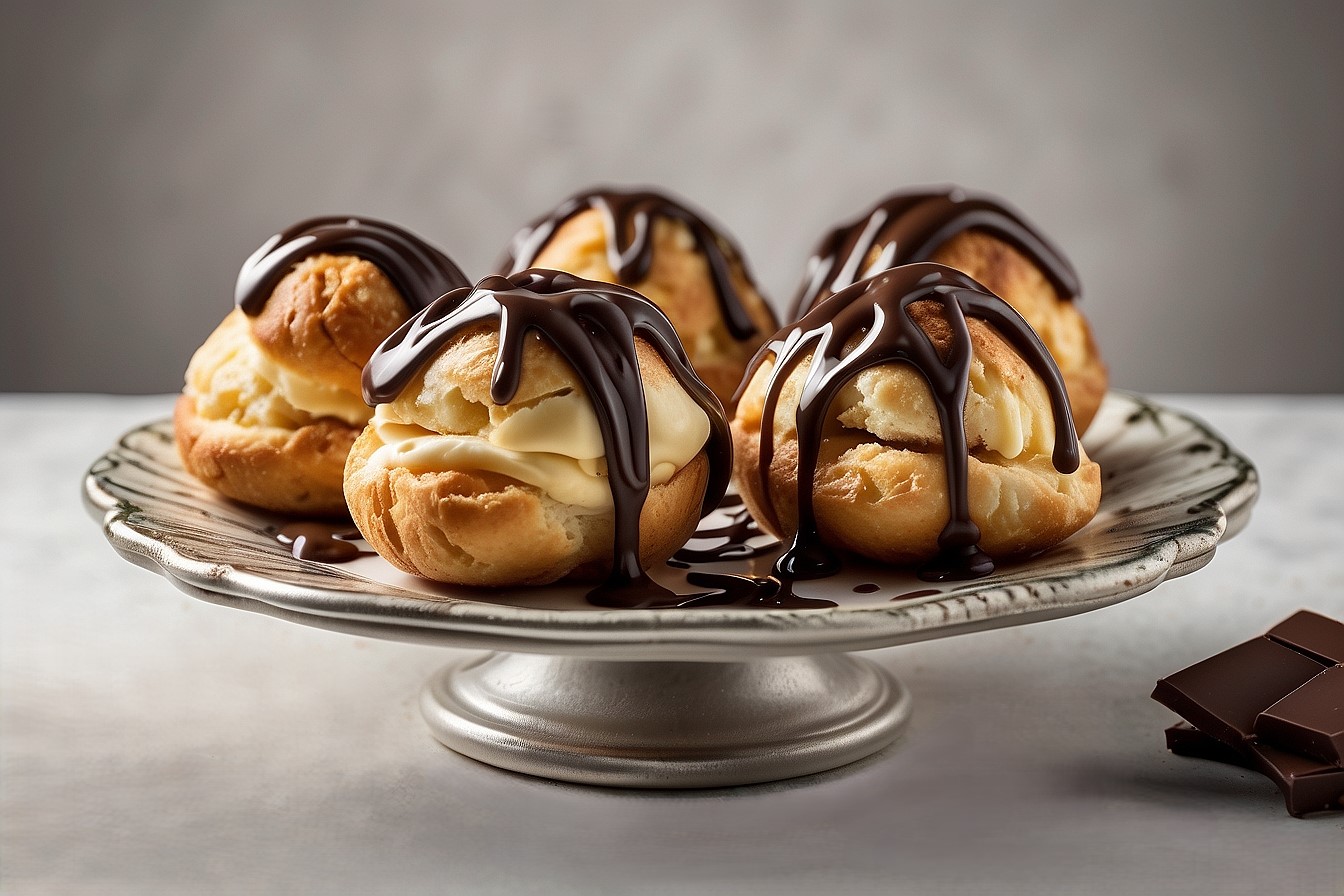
x: 420, y: 272
x: 912, y: 226
x: 629, y: 216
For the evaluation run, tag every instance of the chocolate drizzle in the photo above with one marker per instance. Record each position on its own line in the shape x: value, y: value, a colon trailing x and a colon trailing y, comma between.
x: 733, y: 537
x: 593, y: 326
x: 868, y: 324
x: 322, y: 542
x: 629, y: 217
x: 420, y: 272
x: 771, y: 592
x: 911, y: 226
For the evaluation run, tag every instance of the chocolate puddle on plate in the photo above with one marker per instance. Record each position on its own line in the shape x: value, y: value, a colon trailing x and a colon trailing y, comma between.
x: 729, y: 530
x: 321, y: 542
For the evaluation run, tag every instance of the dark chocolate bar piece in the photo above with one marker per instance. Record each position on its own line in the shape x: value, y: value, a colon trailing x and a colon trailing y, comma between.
x: 1310, y: 720
x: 1317, y: 636
x: 1223, y: 694
x: 1308, y: 785
x: 1186, y: 740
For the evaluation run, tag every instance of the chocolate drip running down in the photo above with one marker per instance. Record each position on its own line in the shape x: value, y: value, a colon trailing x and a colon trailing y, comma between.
x: 869, y: 324
x: 420, y: 272
x: 593, y: 326
x: 629, y: 218
x: 912, y: 226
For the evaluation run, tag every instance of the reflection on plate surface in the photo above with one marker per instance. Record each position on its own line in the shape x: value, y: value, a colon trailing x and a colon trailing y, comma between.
x: 1171, y: 490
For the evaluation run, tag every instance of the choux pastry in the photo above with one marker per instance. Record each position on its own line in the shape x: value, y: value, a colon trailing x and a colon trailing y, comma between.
x: 272, y: 401
x: 535, y: 428
x: 912, y: 418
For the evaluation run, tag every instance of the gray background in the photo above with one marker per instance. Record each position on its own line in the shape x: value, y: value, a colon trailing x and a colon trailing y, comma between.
x: 1186, y: 157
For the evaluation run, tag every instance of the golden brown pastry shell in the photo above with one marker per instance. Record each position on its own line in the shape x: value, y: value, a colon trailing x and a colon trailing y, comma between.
x: 483, y: 529
x: 322, y: 322
x: 1010, y: 275
x: 297, y: 471
x: 891, y: 504
x: 325, y: 318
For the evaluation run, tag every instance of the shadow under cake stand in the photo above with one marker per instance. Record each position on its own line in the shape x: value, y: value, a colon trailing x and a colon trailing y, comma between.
x: 694, y: 697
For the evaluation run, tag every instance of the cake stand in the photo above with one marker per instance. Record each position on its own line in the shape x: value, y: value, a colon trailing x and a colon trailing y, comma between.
x: 685, y: 697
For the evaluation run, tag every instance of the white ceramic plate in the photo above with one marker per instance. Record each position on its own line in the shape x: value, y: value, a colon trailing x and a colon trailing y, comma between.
x: 1172, y: 490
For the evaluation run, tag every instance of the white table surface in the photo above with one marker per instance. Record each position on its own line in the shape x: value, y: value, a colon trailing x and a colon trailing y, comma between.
x: 151, y: 743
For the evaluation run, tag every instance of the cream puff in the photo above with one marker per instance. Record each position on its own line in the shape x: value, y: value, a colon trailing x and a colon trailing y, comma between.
x: 535, y: 428
x: 983, y: 237
x: 913, y: 418
x: 273, y: 400
x: 667, y: 252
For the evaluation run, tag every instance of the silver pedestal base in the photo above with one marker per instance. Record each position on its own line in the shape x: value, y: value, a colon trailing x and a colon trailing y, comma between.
x: 665, y: 724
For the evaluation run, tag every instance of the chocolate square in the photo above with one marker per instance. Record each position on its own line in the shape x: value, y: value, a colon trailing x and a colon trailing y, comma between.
x: 1310, y: 720
x: 1317, y: 636
x: 1186, y: 740
x: 1223, y: 694
x: 1308, y: 785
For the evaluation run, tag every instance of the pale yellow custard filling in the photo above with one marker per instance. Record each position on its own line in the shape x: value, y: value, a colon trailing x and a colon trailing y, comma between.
x: 230, y: 378
x: 312, y: 396
x: 554, y: 445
